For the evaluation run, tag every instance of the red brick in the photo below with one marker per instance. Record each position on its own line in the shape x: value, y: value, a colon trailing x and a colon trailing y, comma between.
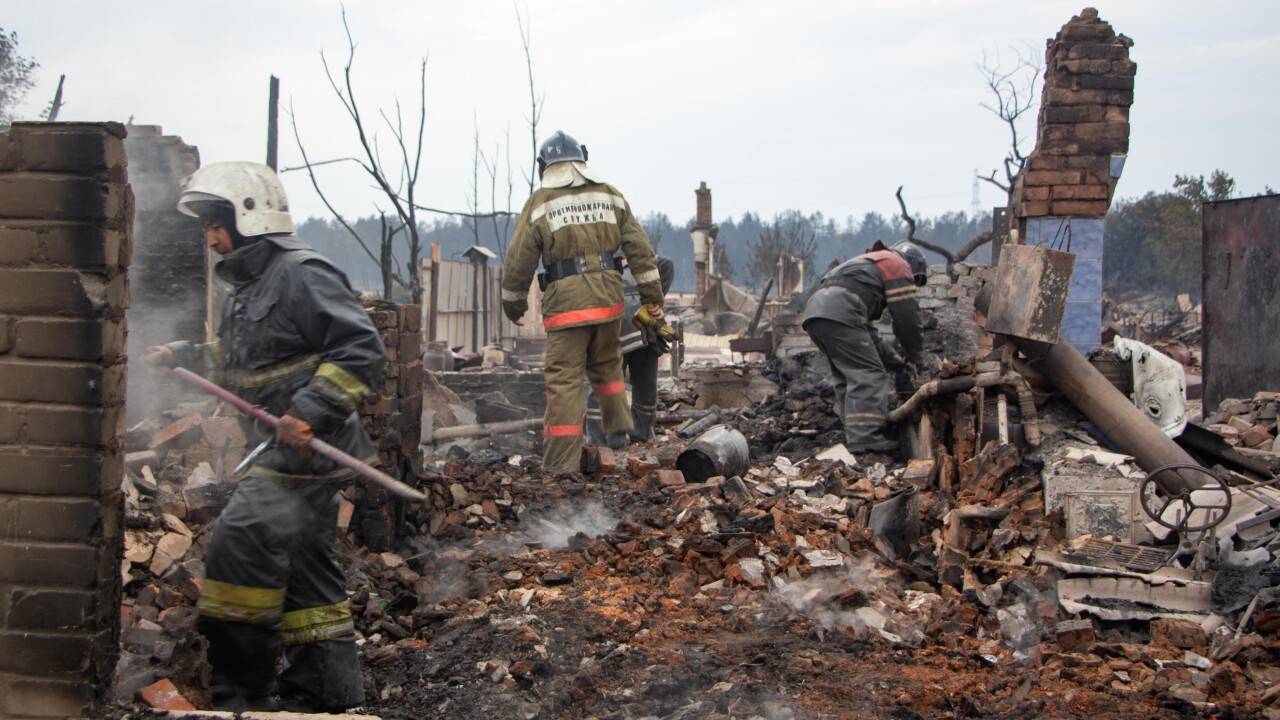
x: 44, y: 698
x: 1066, y: 96
x: 40, y: 654
x: 1092, y: 51
x: 72, y: 566
x: 1079, y: 192
x: 52, y: 610
x: 164, y: 696
x: 1052, y: 177
x: 79, y: 384
x: 45, y: 196
x: 1080, y: 67
x: 1124, y: 67
x: 1045, y: 162
x: 1107, y: 82
x: 42, y: 519
x: 1037, y: 192
x: 1074, y: 113
x: 1102, y: 131
x: 6, y: 335
x: 1034, y: 208
x: 66, y: 473
x: 1080, y: 208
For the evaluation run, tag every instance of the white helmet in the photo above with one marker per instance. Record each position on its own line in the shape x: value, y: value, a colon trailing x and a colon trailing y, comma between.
x: 252, y: 189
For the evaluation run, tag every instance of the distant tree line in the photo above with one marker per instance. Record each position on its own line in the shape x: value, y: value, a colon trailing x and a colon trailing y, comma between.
x: 748, y: 242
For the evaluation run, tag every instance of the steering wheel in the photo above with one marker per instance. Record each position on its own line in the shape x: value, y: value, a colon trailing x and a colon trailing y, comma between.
x: 1215, y: 512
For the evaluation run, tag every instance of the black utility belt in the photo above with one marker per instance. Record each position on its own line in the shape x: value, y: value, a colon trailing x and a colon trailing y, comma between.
x: 576, y: 266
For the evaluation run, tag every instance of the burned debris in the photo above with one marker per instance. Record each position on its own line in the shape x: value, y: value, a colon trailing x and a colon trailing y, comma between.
x: 1068, y: 506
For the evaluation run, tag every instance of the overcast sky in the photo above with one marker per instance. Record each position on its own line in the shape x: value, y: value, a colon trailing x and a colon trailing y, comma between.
x: 820, y: 106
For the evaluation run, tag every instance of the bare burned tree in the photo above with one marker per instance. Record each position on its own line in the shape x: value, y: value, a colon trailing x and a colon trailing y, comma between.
x: 1013, y: 88
x: 500, y: 230
x: 1013, y: 91
x: 535, y: 103
x: 788, y: 234
x: 473, y: 200
x: 399, y: 191
x: 952, y: 257
x: 384, y: 258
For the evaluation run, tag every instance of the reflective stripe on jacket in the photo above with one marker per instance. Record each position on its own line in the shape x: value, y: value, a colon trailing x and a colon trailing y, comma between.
x: 571, y: 215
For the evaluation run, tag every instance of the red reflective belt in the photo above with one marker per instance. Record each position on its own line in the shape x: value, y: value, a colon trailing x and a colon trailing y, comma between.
x: 562, y: 430
x: 584, y: 315
x: 610, y: 388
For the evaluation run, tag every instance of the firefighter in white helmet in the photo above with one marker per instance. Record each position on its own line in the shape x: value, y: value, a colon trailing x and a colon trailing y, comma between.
x: 296, y: 341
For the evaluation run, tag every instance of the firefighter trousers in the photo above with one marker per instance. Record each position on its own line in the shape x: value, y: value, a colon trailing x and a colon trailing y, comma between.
x: 642, y: 370
x: 863, y: 386
x: 272, y: 581
x: 593, y: 350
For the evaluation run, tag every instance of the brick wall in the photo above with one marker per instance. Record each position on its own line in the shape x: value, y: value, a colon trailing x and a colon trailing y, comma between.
x: 65, y: 230
x: 169, y: 272
x: 1084, y: 121
x: 394, y: 419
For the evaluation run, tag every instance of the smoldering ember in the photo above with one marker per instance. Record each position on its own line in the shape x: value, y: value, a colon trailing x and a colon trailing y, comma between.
x: 539, y: 462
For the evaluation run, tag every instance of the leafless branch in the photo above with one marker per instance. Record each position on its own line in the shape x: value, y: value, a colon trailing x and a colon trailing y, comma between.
x: 1013, y: 92
x: 951, y: 257
x: 293, y: 121
x: 535, y: 103
x: 401, y: 197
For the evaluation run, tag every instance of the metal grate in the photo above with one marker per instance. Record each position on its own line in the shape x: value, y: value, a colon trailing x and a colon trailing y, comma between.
x: 1129, y: 557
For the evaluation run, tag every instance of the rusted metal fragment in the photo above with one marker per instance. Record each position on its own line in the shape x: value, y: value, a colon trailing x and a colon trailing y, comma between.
x: 1030, y: 292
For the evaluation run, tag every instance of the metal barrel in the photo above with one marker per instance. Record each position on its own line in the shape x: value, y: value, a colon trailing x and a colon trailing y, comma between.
x: 720, y: 451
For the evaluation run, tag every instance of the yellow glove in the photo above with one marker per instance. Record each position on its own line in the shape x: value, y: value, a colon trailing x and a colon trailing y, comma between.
x: 651, y: 316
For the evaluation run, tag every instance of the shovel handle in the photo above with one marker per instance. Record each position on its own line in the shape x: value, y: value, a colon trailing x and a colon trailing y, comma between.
x: 365, y: 470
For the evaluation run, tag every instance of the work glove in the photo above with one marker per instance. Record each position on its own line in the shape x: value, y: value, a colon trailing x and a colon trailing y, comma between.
x: 652, y: 317
x: 161, y: 356
x: 295, y: 433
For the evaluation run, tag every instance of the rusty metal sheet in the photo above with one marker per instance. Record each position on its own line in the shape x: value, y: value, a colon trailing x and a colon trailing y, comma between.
x: 1241, y: 295
x: 1030, y: 292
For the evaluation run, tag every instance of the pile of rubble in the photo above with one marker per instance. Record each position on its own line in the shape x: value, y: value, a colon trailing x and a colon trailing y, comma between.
x: 1248, y: 423
x: 797, y: 580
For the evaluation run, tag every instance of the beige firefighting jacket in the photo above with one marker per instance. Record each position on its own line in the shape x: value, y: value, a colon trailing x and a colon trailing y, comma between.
x: 574, y: 214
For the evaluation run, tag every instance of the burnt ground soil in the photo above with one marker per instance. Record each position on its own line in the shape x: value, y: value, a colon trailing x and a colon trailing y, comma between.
x: 606, y: 635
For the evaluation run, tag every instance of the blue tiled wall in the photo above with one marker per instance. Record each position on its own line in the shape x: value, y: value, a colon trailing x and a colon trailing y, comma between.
x: 1082, y: 319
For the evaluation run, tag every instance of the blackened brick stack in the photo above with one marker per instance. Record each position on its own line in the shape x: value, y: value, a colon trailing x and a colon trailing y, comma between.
x: 65, y: 230
x: 1084, y: 121
x: 393, y: 418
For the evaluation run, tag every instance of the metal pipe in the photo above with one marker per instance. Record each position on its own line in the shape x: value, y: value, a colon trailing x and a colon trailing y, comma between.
x: 317, y: 445
x: 1092, y: 394
x: 457, y: 432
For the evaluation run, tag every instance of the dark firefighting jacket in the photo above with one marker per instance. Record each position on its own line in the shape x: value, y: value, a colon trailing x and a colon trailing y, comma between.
x: 574, y: 215
x: 295, y: 340
x: 879, y: 280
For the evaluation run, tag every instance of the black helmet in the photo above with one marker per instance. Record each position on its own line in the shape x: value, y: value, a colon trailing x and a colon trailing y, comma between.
x: 915, y: 258
x: 560, y: 148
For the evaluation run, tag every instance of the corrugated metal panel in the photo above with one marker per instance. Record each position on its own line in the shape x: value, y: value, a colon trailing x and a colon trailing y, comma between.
x: 1241, y: 294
